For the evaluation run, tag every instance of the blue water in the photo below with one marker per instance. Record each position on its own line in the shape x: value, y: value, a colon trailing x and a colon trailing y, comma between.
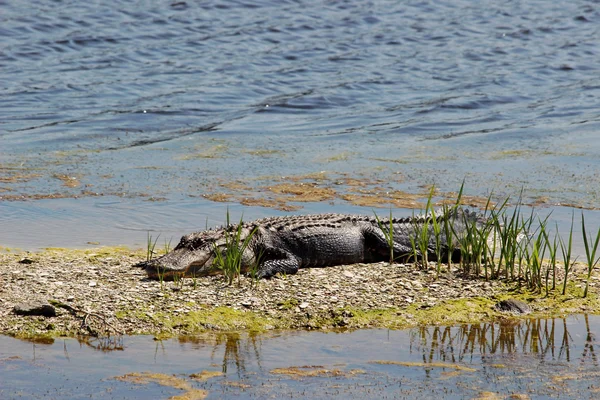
x: 539, y: 359
x: 170, y: 101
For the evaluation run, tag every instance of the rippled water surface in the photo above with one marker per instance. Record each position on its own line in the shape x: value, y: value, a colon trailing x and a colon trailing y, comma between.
x: 536, y: 359
x: 164, y: 100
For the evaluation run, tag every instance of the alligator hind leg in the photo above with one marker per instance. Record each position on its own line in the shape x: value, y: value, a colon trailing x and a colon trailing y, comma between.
x: 277, y: 262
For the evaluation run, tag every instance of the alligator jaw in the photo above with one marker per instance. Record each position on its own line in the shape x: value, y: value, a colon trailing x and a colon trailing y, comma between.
x: 179, y: 263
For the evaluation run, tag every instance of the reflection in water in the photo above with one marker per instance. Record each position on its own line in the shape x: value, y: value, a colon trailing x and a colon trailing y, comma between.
x: 548, y: 338
x: 236, y: 348
x: 534, y: 358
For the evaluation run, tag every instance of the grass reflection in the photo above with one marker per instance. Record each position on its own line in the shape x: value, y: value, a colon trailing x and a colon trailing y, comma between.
x: 549, y: 339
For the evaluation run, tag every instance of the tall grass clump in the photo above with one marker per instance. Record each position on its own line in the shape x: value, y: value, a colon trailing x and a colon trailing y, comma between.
x: 230, y: 259
x: 473, y: 242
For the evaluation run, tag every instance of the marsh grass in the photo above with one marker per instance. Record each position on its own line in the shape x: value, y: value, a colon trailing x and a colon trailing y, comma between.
x: 448, y: 212
x: 230, y: 260
x: 566, y: 253
x: 388, y: 233
x: 150, y: 246
x: 590, y: 253
x: 503, y: 244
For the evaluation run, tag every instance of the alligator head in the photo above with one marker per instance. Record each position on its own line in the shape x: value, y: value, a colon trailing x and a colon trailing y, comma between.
x: 199, y: 254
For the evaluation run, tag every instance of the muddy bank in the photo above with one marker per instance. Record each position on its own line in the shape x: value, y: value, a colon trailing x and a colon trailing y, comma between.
x: 97, y: 292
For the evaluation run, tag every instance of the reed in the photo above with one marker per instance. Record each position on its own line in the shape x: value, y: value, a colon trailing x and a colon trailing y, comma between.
x: 552, y: 250
x: 449, y: 213
x: 566, y: 253
x: 150, y: 246
x: 388, y: 233
x: 590, y: 252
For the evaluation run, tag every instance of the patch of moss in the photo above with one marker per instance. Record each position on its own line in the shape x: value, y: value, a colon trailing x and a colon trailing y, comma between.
x: 218, y: 318
x: 288, y: 304
x: 469, y: 310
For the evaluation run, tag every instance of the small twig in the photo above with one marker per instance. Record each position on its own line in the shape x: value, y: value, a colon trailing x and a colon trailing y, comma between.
x: 84, y: 322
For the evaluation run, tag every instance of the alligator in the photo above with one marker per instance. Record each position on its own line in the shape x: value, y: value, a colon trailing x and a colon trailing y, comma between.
x: 285, y: 244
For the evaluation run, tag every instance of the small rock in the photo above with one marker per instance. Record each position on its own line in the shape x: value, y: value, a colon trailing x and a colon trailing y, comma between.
x: 70, y: 298
x: 26, y: 261
x: 35, y: 308
x: 92, y: 284
x: 246, y: 303
x: 303, y: 305
x: 348, y: 274
x: 513, y: 306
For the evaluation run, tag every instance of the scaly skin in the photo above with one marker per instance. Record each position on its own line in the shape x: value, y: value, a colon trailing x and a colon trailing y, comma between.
x: 286, y: 244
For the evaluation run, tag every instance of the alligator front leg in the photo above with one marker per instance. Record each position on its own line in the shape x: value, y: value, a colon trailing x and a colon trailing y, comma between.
x: 280, y: 262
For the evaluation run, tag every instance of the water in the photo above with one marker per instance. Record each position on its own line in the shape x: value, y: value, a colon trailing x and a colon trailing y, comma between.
x: 116, y: 118
x: 546, y: 358
x: 170, y: 101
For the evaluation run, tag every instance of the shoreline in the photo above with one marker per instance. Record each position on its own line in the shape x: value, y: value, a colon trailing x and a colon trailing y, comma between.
x: 97, y: 292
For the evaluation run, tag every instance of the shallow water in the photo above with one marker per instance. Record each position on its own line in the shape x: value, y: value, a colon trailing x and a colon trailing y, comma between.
x: 164, y: 100
x: 89, y: 222
x: 546, y: 358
